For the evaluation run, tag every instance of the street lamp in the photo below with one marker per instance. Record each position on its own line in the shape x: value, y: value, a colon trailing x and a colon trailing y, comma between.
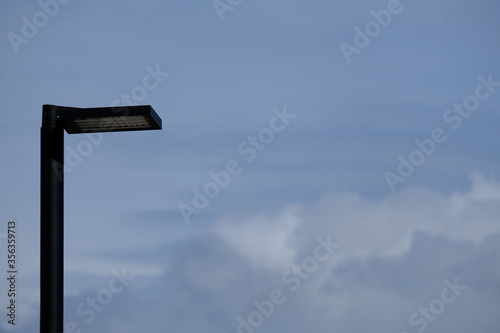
x: 55, y: 120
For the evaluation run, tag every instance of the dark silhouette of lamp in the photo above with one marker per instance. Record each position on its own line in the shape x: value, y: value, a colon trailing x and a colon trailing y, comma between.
x: 55, y: 120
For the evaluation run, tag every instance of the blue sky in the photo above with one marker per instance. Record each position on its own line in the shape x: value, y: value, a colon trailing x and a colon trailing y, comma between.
x: 276, y: 142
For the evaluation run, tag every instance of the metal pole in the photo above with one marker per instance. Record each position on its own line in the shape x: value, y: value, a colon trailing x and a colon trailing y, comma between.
x: 51, y: 223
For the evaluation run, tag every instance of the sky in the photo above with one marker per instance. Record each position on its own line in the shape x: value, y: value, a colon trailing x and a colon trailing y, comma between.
x: 324, y: 166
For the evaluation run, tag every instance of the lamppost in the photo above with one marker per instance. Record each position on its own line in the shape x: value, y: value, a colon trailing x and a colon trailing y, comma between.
x: 55, y: 120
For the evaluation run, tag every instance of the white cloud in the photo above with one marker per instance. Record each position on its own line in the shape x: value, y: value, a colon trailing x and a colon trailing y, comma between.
x: 366, y: 228
x: 263, y: 239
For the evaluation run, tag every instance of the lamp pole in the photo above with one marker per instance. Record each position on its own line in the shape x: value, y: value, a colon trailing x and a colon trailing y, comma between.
x: 51, y: 222
x: 55, y: 120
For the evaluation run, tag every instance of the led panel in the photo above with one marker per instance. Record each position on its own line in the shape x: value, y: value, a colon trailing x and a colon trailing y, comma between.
x: 109, y: 119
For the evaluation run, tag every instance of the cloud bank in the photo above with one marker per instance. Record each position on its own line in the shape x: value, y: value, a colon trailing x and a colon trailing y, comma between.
x: 414, y: 261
